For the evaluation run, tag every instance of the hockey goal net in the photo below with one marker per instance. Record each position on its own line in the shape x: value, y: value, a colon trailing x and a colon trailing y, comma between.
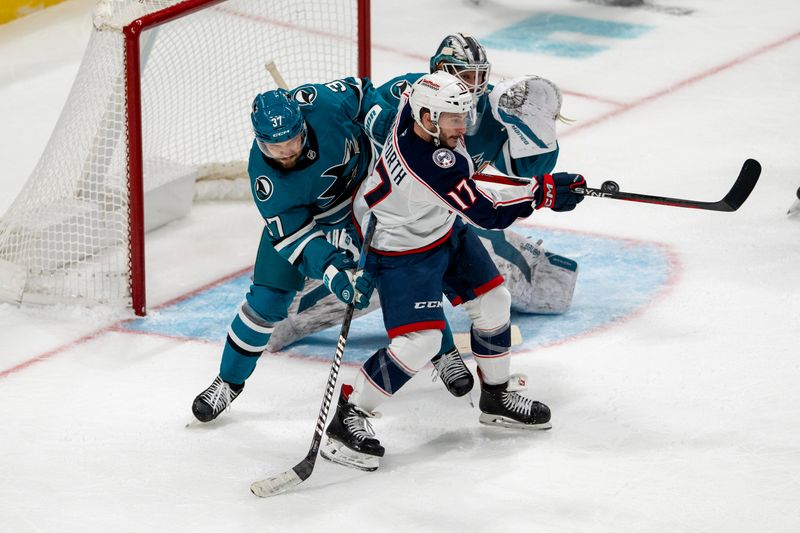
x: 161, y: 101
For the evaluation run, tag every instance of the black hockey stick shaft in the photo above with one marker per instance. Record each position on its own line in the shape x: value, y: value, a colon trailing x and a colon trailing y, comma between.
x: 739, y: 192
x: 281, y: 482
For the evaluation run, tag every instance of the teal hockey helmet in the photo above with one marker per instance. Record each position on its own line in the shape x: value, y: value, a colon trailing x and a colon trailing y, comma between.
x: 276, y: 118
x: 465, y: 58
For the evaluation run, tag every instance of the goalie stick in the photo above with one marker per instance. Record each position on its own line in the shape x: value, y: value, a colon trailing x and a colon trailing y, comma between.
x: 284, y: 481
x: 741, y: 189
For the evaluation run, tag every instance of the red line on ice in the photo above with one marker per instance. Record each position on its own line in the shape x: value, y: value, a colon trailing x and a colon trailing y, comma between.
x: 681, y: 84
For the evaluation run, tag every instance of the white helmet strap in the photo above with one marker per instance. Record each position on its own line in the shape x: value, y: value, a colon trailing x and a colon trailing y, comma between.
x: 434, y: 134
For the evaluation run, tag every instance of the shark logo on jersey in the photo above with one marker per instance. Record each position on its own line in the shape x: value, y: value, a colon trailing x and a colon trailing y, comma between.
x: 399, y: 88
x: 342, y: 174
x: 444, y: 158
x: 477, y: 160
x: 305, y: 95
x: 263, y: 188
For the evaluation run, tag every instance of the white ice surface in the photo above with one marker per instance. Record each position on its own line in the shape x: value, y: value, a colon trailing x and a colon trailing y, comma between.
x: 685, y: 417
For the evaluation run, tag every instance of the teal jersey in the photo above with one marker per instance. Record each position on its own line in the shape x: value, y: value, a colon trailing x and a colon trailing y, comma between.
x: 302, y: 204
x: 488, y: 143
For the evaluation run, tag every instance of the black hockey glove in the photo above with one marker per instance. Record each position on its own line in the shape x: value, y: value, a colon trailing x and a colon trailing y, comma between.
x: 556, y: 191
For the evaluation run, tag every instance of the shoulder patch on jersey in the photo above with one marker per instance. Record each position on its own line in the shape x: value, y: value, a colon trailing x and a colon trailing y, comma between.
x: 264, y: 188
x: 399, y: 88
x: 305, y: 95
x: 444, y: 157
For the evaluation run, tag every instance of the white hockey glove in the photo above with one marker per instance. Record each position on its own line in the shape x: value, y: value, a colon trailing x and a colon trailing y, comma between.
x: 342, y: 240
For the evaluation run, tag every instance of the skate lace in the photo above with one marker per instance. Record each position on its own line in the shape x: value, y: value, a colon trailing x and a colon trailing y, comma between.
x: 517, y: 403
x: 218, y: 395
x: 449, y: 367
x: 358, y: 425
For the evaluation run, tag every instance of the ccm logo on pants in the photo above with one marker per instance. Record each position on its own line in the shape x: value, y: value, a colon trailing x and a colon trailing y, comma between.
x: 427, y: 305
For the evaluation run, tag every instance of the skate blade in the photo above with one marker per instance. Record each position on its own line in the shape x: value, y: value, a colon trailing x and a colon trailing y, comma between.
x: 502, y: 421
x: 338, y: 453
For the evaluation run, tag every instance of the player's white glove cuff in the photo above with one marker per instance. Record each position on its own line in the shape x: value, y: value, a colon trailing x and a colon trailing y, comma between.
x: 340, y: 283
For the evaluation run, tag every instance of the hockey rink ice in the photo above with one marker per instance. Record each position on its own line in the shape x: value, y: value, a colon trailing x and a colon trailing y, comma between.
x: 674, y: 380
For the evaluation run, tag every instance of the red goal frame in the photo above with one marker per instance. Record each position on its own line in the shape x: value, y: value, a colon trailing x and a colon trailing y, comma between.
x: 132, y: 33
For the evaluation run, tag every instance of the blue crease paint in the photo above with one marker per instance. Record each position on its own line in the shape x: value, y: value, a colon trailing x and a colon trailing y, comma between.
x: 616, y: 278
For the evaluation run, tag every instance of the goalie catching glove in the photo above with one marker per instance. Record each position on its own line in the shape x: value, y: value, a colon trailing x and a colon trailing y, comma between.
x: 557, y: 191
x: 341, y: 278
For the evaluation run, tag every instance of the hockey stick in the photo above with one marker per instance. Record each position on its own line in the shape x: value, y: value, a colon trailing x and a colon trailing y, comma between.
x: 284, y: 481
x: 741, y: 189
x: 272, y: 68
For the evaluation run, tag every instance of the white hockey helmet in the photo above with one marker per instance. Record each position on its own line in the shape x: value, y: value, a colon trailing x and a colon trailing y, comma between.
x: 439, y: 93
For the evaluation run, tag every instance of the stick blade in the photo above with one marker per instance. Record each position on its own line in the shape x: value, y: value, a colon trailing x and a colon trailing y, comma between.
x: 744, y: 185
x: 285, y: 480
x: 275, y: 484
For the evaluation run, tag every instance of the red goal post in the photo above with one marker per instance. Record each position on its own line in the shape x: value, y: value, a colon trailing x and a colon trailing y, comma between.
x: 161, y: 100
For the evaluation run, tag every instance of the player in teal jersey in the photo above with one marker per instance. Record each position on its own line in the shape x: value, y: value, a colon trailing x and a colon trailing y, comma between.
x: 309, y: 155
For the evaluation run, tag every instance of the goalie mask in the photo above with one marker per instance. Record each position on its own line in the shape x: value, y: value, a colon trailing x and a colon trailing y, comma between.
x: 277, y: 121
x: 439, y: 93
x: 465, y: 58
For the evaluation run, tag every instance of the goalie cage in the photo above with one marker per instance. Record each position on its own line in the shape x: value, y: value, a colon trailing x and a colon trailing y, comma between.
x: 161, y: 100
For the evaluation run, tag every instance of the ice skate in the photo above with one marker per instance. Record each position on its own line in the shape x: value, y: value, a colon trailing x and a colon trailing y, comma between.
x: 351, y: 439
x: 453, y: 372
x: 216, y: 398
x: 507, y: 408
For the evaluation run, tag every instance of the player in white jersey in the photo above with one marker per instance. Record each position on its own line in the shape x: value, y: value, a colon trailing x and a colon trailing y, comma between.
x: 513, y: 128
x: 421, y: 192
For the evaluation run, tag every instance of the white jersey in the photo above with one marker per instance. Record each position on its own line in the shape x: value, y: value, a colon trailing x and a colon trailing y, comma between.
x: 417, y: 190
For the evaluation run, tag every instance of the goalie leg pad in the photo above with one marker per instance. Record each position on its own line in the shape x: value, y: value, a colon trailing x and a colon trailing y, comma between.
x: 541, y: 282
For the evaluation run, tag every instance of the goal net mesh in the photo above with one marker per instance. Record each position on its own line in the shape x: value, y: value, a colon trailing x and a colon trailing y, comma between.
x: 66, y: 236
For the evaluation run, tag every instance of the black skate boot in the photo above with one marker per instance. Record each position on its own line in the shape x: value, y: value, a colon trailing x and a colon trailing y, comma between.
x: 501, y: 407
x: 351, y: 439
x: 454, y: 373
x: 215, y: 399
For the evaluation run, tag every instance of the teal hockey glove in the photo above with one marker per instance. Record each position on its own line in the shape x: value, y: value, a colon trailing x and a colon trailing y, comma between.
x: 340, y: 278
x: 364, y: 284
